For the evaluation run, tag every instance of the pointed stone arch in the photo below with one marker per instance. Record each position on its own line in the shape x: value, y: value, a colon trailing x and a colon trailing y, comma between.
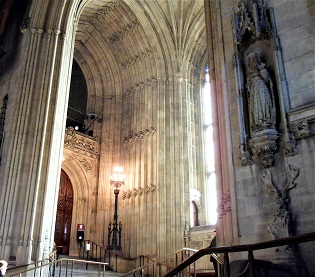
x: 81, y: 197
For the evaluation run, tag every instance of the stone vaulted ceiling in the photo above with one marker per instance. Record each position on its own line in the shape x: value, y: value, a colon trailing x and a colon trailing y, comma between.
x: 122, y: 43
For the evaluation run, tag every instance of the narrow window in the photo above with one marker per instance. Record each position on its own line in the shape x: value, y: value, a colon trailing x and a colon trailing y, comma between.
x: 211, y: 197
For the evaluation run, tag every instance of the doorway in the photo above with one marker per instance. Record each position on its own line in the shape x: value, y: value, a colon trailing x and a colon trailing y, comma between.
x: 64, y: 214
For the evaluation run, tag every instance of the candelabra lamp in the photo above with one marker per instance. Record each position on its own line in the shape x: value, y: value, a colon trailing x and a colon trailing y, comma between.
x: 115, y: 228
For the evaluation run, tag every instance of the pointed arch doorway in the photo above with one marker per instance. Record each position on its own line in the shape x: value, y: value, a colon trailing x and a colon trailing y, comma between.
x: 64, y: 214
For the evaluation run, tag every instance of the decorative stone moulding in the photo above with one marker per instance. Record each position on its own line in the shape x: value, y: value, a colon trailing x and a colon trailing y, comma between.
x: 261, y: 85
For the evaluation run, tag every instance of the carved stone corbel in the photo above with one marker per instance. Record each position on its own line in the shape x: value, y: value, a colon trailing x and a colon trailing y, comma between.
x: 300, y: 129
x: 265, y: 146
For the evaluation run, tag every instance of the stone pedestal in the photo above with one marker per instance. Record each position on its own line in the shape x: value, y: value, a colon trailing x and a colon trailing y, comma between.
x: 263, y: 143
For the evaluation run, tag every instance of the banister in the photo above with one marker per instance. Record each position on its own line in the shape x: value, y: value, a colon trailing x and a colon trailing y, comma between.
x: 240, y: 248
x: 217, y: 258
x: 43, y: 264
x: 155, y: 261
x: 100, y: 246
x: 50, y: 258
x: 158, y: 261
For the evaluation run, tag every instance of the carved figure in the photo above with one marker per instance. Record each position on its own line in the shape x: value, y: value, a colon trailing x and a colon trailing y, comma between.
x: 262, y: 112
x: 280, y: 225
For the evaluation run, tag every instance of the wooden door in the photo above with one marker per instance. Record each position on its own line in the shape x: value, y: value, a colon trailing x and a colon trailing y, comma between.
x: 64, y: 214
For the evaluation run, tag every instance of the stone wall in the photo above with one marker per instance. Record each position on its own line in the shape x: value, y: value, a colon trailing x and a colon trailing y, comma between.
x: 254, y: 205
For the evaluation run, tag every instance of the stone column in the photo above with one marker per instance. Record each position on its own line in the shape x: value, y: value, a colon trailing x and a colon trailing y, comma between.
x: 37, y: 144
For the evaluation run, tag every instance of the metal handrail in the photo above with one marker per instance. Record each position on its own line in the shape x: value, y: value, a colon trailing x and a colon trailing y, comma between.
x: 94, y: 253
x: 51, y: 257
x: 158, y: 262
x: 153, y: 261
x: 240, y: 248
x: 52, y: 265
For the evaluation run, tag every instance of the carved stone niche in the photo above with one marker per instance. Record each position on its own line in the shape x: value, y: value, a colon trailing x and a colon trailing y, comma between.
x: 258, y: 65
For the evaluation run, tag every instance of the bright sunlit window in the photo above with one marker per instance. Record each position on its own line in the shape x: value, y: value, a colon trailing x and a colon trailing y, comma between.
x: 209, y: 148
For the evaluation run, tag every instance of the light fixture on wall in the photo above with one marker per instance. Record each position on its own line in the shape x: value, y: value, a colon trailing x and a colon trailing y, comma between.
x: 117, y: 179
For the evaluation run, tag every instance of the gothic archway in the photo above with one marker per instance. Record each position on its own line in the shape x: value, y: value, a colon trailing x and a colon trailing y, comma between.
x: 64, y: 214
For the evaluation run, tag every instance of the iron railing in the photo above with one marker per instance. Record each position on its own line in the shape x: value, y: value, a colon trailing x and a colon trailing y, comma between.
x: 157, y: 267
x: 99, y: 253
x: 55, y: 268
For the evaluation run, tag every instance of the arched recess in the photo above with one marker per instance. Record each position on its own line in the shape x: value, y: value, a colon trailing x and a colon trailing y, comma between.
x: 80, y: 213
x: 64, y: 214
x: 194, y: 214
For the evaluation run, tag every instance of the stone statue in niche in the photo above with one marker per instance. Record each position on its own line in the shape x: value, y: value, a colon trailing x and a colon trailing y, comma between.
x: 262, y: 112
x: 280, y: 225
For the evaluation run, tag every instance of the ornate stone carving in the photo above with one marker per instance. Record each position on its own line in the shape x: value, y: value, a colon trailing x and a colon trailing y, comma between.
x: 138, y: 191
x: 186, y: 236
x: 110, y: 6
x: 263, y: 143
x: 135, y: 192
x: 290, y: 146
x: 261, y: 97
x: 146, y: 189
x: 140, y: 86
x: 25, y: 25
x: 300, y: 129
x: 87, y: 165
x: 139, y: 136
x: 225, y: 205
x: 196, y: 244
x: 123, y: 32
x: 251, y: 22
x: 280, y: 225
x: 80, y: 143
x: 124, y: 194
x: 135, y: 59
x: 262, y: 111
x: 246, y: 158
